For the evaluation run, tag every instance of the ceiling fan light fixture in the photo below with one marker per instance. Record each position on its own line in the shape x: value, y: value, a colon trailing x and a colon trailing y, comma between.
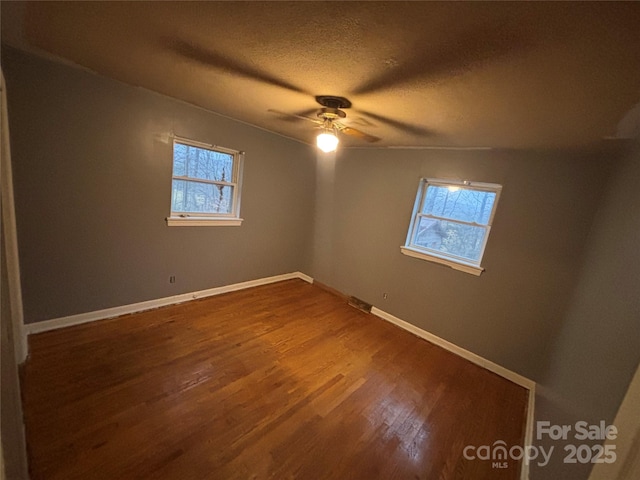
x: 327, y: 141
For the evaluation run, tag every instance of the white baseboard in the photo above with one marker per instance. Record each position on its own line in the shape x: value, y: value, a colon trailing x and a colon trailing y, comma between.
x: 78, y: 319
x: 461, y: 352
x: 528, y: 429
x: 516, y: 378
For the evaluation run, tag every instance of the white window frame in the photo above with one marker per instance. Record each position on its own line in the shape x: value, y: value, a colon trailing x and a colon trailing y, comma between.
x: 452, y: 261
x: 232, y: 219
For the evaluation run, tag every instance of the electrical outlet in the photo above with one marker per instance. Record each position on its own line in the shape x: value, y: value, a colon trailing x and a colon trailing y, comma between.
x: 385, y: 295
x: 172, y: 279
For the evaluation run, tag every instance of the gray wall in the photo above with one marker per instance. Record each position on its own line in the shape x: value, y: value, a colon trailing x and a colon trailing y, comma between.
x: 92, y: 175
x: 511, y: 313
x: 597, y: 349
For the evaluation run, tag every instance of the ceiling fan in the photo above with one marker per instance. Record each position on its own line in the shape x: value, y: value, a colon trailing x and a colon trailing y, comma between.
x: 474, y: 47
x: 328, y: 121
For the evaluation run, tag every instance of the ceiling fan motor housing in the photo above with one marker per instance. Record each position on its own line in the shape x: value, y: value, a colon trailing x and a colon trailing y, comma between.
x: 331, y: 107
x: 331, y: 101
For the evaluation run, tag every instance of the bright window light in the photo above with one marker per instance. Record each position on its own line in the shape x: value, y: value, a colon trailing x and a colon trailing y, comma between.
x: 451, y: 222
x: 206, y: 182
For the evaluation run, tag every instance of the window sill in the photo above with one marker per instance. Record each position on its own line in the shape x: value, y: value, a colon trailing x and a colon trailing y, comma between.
x: 461, y: 266
x: 203, y: 222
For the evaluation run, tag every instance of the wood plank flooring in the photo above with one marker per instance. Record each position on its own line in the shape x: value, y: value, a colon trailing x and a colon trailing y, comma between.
x: 282, y: 381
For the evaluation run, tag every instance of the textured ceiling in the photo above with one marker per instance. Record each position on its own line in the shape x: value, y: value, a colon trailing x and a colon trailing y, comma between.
x: 459, y: 74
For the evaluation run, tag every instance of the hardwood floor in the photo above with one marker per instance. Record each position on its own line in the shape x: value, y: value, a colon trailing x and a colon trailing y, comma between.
x: 282, y: 381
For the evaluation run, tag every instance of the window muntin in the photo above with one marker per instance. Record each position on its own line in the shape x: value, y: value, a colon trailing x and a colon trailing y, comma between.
x: 452, y: 220
x: 205, y: 181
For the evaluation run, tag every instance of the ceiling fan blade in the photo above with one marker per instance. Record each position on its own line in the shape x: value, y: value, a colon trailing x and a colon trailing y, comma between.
x: 294, y: 117
x: 407, y: 127
x: 439, y: 147
x: 227, y: 64
x: 459, y: 55
x: 354, y: 132
x: 307, y: 112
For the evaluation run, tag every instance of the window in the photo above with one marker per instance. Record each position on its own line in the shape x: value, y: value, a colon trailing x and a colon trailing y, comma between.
x: 451, y: 222
x: 205, y: 187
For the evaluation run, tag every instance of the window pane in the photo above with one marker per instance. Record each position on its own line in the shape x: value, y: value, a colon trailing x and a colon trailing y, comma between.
x: 179, y: 160
x: 197, y: 162
x: 450, y: 238
x: 196, y: 197
x: 471, y: 206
